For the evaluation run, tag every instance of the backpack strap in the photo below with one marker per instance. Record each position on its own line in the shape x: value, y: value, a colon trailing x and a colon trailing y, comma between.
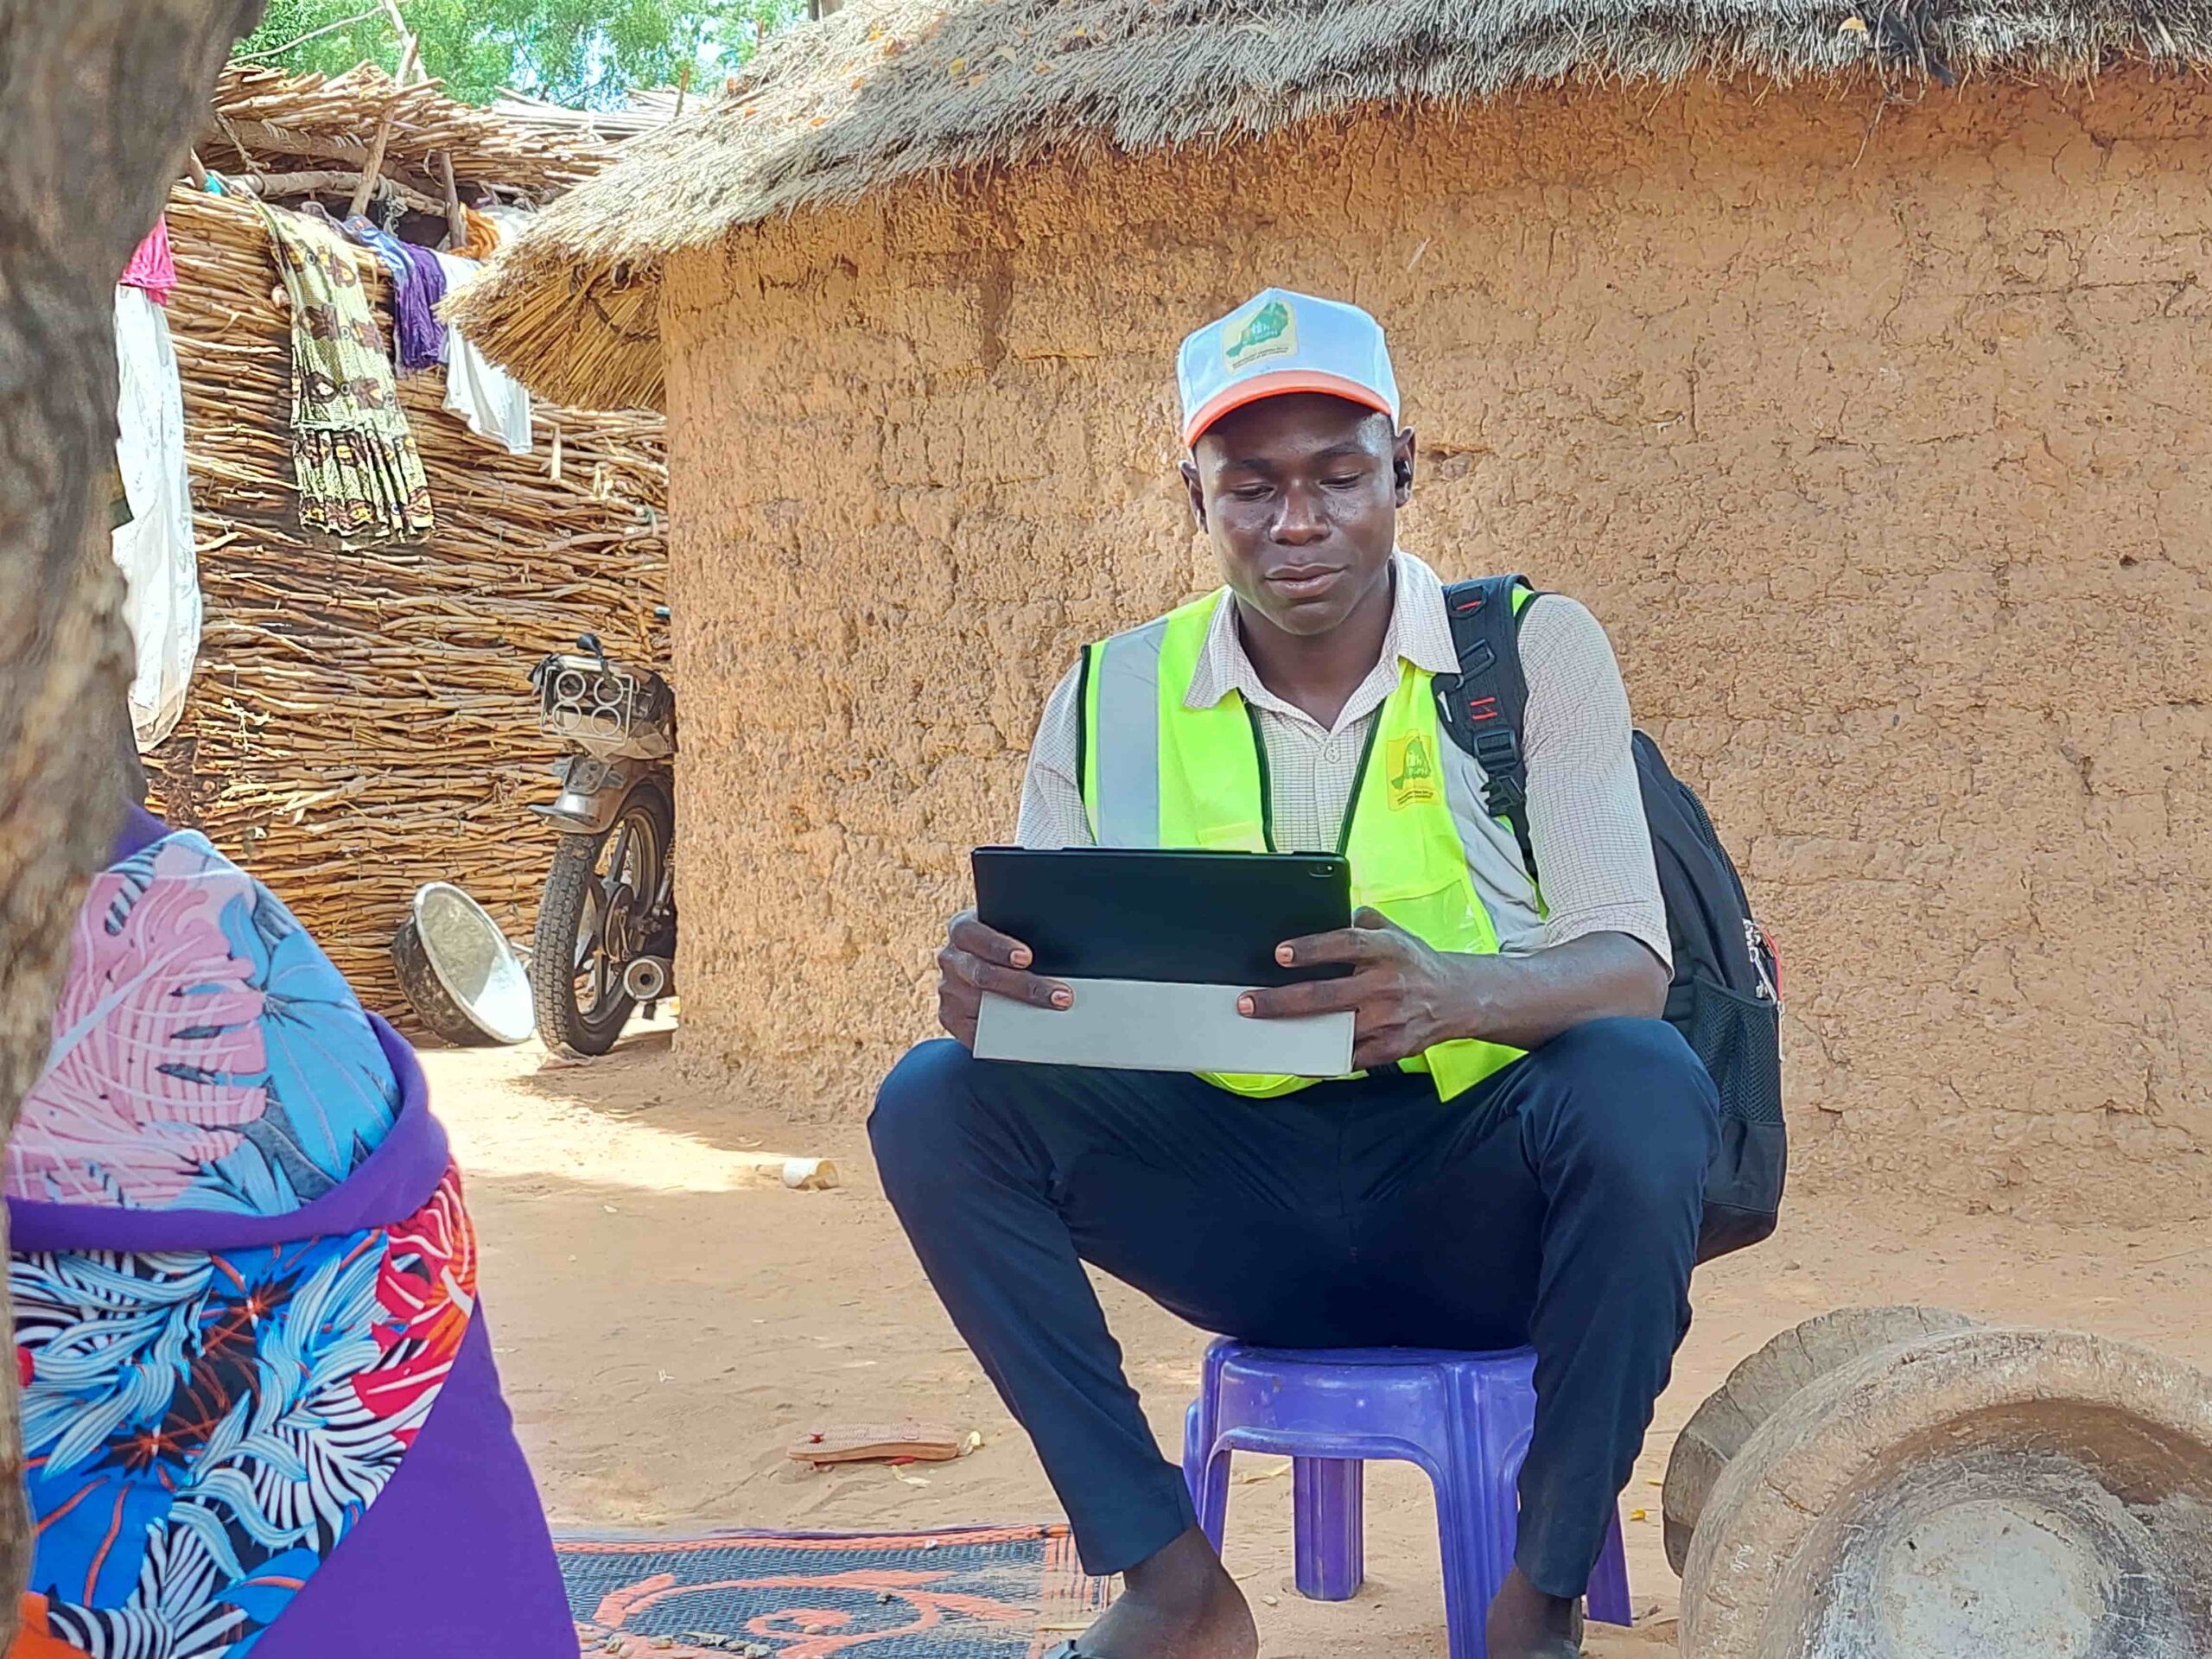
x: 1482, y: 706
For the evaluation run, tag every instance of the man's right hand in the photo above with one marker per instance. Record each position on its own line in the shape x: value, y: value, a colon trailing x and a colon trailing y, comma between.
x: 976, y: 959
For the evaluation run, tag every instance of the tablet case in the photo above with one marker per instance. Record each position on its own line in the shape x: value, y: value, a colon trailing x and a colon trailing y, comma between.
x: 1157, y: 946
x: 1132, y: 1024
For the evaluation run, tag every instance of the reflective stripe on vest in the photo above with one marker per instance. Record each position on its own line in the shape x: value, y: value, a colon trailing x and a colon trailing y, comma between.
x: 1157, y: 773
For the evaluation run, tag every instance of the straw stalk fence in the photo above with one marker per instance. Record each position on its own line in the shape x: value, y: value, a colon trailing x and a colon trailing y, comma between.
x: 359, y: 721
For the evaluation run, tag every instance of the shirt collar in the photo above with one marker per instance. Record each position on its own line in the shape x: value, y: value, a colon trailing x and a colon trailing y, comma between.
x: 1419, y: 633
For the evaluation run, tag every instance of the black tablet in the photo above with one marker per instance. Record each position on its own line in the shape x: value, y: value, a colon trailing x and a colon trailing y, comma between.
x: 1195, y: 918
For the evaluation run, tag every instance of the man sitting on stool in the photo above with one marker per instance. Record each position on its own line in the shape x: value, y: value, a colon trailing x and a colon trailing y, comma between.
x: 1521, y: 1158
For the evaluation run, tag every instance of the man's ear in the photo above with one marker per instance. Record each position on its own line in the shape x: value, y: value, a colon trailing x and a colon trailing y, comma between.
x: 1197, y: 493
x: 1401, y: 465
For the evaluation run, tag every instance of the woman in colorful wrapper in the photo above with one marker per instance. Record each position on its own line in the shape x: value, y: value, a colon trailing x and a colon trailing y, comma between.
x: 259, y: 1409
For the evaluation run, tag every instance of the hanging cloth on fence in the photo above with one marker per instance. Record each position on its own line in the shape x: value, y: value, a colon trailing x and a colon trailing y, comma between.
x: 482, y: 239
x: 360, y: 474
x: 152, y: 268
x: 418, y: 317
x: 154, y: 548
x: 385, y: 246
x: 418, y: 283
x: 491, y: 401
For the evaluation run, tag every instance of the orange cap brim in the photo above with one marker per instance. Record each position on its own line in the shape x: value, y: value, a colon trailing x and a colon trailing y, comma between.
x: 1279, y: 383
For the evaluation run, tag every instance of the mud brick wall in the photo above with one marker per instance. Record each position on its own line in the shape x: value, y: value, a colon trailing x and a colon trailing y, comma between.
x: 1889, y: 471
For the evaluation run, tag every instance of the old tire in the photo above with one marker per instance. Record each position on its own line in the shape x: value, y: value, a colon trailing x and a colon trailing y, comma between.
x: 570, y: 889
x: 427, y: 994
x: 1999, y: 1492
x: 1758, y: 1387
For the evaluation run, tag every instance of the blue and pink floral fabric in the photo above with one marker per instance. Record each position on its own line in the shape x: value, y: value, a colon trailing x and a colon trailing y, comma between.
x: 203, y: 1427
x: 206, y: 1055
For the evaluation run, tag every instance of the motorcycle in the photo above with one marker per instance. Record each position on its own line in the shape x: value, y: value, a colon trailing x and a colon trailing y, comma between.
x: 606, y: 938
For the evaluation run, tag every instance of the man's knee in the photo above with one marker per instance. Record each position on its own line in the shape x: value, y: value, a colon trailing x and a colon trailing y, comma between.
x: 1622, y: 1049
x: 919, y: 1109
x: 1632, y: 1096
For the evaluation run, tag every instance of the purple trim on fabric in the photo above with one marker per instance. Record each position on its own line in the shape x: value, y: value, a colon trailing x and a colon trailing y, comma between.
x: 453, y: 1557
x: 392, y: 1183
x: 140, y: 829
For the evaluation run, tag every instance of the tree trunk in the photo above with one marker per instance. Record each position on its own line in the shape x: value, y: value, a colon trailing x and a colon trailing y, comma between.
x: 100, y: 100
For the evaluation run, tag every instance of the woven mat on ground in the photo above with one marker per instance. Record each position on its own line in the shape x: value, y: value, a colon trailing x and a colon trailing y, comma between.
x: 978, y: 1593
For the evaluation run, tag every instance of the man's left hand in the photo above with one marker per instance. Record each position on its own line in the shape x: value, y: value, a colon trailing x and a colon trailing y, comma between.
x: 1405, y: 997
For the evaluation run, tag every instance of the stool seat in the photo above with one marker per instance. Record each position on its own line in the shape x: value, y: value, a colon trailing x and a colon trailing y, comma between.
x: 1462, y: 1418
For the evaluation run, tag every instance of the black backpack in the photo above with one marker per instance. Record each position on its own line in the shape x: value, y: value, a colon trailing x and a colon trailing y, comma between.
x: 1725, y: 998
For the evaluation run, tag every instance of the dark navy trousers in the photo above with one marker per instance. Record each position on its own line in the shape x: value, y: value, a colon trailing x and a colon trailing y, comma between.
x: 1555, y: 1204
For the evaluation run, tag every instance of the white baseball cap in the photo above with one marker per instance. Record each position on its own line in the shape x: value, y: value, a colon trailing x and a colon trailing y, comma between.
x: 1279, y: 342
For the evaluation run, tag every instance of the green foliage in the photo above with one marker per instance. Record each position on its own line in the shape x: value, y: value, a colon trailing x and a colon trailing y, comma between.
x: 582, y: 52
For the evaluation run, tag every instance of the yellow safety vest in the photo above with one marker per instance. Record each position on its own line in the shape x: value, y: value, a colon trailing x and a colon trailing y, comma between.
x: 1158, y: 773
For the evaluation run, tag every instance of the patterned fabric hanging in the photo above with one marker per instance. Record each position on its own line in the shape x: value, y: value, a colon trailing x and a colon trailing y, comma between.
x: 360, y: 474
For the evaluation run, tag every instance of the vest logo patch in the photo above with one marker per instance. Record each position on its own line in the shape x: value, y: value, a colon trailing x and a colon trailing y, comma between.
x: 1409, y: 769
x: 1269, y: 332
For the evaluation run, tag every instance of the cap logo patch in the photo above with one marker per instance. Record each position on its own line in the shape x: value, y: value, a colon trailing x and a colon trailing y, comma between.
x: 1269, y: 332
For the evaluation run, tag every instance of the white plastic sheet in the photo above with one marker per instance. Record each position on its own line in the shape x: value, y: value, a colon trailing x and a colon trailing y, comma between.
x: 155, y: 549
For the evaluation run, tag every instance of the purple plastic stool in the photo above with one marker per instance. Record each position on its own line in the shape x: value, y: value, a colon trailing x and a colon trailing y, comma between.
x: 1463, y: 1418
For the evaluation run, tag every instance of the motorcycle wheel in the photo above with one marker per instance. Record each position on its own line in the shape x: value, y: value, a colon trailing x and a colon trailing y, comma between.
x: 590, y: 924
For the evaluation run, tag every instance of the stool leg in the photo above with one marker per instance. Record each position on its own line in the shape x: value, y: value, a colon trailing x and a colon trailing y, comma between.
x: 1472, y: 1554
x: 1479, y: 1512
x: 1194, y: 1452
x: 1609, y: 1581
x: 1328, y: 1498
x: 1206, y: 1475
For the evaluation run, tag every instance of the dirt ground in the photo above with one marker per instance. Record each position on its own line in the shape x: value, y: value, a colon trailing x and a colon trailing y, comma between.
x: 666, y: 1330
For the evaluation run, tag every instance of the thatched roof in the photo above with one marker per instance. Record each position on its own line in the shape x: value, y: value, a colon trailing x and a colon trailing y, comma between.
x: 263, y: 122
x: 887, y: 89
